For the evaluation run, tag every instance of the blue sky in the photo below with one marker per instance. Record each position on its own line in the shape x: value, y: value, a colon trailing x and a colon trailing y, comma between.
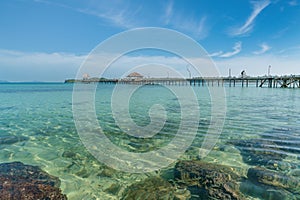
x: 47, y: 40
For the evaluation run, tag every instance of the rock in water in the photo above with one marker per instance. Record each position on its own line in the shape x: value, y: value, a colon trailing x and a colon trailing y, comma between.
x: 154, y: 188
x: 208, y: 181
x: 258, y: 151
x: 11, y: 139
x: 272, y: 178
x: 25, y: 182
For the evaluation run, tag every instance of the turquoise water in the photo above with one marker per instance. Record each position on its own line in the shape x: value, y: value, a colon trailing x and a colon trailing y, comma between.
x: 262, y: 128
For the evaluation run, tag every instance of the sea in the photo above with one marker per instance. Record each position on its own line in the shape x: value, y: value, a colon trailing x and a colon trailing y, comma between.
x: 259, y: 140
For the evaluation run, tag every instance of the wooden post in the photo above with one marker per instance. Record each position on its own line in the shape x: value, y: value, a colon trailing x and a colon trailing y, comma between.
x: 242, y: 82
x: 233, y: 82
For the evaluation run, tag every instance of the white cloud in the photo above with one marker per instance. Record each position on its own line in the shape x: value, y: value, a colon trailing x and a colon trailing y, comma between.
x: 280, y: 33
x: 236, y: 49
x: 258, y: 7
x: 293, y: 3
x: 290, y: 51
x: 117, y: 18
x: 264, y: 48
x: 128, y: 15
x: 38, y: 66
x: 18, y: 57
x: 168, y: 12
x: 198, y: 28
x: 202, y: 27
x: 257, y: 65
x: 116, y: 12
x: 215, y: 54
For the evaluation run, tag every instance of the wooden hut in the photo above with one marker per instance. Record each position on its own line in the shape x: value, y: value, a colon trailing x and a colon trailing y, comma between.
x: 134, y: 76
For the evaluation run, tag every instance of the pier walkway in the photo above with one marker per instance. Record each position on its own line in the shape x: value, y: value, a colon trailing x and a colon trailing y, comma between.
x: 271, y: 81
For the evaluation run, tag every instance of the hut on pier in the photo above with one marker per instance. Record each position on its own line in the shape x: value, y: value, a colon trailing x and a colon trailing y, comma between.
x: 134, y: 76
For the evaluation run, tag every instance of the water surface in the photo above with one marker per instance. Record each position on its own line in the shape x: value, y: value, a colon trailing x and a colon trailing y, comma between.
x: 262, y: 129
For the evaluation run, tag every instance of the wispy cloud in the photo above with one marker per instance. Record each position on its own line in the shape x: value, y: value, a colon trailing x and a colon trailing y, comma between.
x: 116, y: 13
x: 125, y: 14
x: 168, y: 12
x: 198, y: 28
x: 290, y: 50
x: 202, y: 29
x: 215, y: 54
x: 264, y: 48
x: 280, y: 33
x: 258, y: 7
x: 236, y: 49
x: 293, y: 3
x: 118, y: 18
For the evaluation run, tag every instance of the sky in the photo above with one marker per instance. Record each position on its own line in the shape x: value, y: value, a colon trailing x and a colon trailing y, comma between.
x: 48, y: 40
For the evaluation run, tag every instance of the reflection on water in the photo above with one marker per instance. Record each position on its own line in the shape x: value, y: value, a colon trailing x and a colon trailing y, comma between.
x: 256, y: 156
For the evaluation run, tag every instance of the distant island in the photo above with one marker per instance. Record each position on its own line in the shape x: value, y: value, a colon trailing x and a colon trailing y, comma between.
x: 134, y: 76
x: 89, y: 80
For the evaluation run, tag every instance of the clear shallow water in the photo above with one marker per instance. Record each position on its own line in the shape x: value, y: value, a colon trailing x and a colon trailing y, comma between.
x: 262, y: 128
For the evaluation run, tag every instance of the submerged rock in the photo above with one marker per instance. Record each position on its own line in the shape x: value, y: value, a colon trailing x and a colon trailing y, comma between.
x: 114, y: 189
x: 295, y: 173
x: 69, y: 154
x: 12, y: 139
x: 208, y: 181
x: 107, y: 172
x: 25, y: 182
x: 265, y: 192
x: 270, y: 185
x: 154, y: 188
x: 272, y: 178
x: 259, y: 151
x: 287, y: 139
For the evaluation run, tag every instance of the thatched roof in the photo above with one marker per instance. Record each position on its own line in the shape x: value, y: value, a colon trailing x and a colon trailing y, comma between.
x: 135, y: 74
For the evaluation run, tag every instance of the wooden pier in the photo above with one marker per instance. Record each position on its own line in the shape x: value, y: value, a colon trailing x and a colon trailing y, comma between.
x: 271, y: 82
x: 292, y: 81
